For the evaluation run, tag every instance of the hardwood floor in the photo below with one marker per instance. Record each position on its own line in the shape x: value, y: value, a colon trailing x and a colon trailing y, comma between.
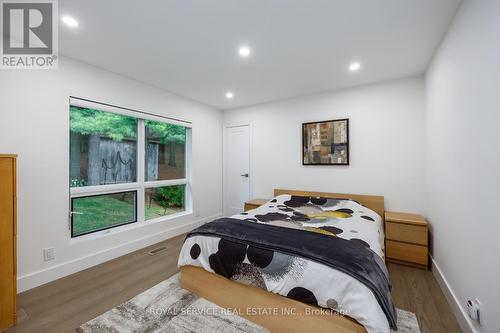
x: 63, y: 305
x: 417, y: 291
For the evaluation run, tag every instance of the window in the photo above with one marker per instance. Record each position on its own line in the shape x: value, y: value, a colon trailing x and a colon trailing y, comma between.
x: 125, y: 167
x: 103, y: 147
x: 103, y: 211
x: 165, y: 151
x: 163, y: 201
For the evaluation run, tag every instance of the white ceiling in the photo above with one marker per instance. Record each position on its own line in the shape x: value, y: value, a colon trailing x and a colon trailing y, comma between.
x: 298, y: 47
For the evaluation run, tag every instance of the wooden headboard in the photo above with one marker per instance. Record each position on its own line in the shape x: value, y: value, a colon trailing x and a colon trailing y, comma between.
x: 374, y: 202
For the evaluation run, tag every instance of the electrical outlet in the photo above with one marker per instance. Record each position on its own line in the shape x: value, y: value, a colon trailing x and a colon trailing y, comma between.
x: 479, y: 311
x: 474, y: 309
x: 49, y: 254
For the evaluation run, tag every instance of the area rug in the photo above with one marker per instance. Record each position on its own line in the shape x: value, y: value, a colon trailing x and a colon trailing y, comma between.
x: 167, y: 307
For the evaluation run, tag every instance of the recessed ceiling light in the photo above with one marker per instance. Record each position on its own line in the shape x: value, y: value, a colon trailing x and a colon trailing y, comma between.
x: 229, y: 95
x: 354, y: 66
x: 70, y: 21
x: 244, y: 51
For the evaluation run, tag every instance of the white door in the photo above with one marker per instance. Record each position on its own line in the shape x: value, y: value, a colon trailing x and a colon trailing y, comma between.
x: 236, y: 168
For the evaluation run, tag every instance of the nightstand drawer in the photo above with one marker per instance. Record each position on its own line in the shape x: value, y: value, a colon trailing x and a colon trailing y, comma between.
x: 406, y: 252
x: 254, y: 203
x: 406, y: 233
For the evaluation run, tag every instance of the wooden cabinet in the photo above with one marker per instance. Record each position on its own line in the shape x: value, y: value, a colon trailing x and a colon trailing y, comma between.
x: 254, y: 203
x: 406, y: 239
x: 7, y: 241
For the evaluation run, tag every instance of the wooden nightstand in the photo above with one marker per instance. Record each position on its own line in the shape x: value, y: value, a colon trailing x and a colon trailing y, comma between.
x: 406, y: 239
x: 254, y: 203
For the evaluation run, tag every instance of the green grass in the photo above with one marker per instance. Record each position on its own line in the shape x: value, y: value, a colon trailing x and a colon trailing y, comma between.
x: 154, y: 210
x: 102, y: 211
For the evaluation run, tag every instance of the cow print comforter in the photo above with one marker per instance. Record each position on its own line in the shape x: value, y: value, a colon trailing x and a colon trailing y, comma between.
x: 294, y: 276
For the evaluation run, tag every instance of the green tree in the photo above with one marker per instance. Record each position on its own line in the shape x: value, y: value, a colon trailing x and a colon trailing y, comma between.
x: 89, y: 121
x: 94, y: 124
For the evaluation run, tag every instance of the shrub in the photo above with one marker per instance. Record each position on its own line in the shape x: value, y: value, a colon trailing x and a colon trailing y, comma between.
x: 170, y: 196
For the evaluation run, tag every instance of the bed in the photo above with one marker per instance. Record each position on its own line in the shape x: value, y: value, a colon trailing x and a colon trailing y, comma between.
x: 263, y: 265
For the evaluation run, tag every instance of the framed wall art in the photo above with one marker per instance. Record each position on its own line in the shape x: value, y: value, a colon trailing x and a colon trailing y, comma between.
x: 325, y: 142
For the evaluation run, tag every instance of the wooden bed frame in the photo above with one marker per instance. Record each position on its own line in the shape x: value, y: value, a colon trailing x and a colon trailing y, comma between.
x: 272, y: 311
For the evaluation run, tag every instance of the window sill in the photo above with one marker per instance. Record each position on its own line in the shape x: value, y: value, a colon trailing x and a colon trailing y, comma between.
x: 127, y: 227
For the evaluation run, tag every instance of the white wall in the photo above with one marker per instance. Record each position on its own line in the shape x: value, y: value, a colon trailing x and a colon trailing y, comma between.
x: 386, y: 125
x: 463, y: 168
x: 34, y: 124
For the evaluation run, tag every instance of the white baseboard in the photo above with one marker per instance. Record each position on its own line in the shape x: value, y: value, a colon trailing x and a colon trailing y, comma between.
x: 463, y: 319
x: 41, y: 277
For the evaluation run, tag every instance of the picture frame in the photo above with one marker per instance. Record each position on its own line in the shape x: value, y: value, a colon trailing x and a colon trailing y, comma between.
x: 325, y: 142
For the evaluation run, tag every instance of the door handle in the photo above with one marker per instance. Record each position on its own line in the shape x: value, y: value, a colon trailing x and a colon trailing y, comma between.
x: 244, y: 175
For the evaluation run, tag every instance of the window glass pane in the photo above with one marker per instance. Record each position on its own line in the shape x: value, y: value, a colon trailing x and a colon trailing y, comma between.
x: 103, y: 211
x: 165, y: 151
x: 163, y: 201
x: 103, y: 147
